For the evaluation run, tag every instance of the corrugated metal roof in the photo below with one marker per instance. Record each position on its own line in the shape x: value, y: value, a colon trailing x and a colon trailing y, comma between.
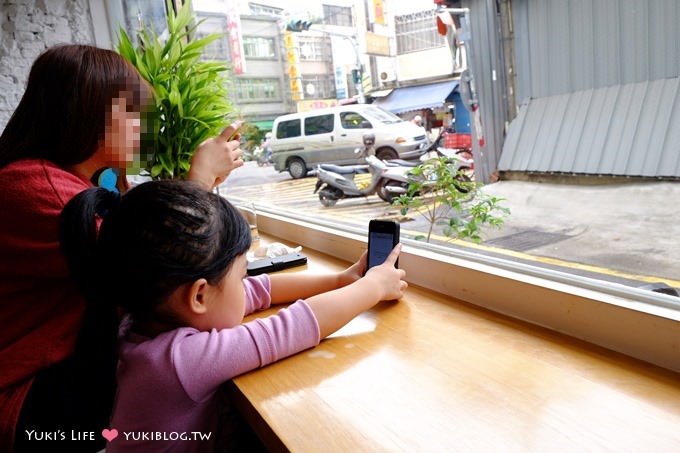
x: 631, y: 130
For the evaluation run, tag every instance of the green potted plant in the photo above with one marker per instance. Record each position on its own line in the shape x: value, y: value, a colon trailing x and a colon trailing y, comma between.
x: 447, y: 198
x: 190, y: 95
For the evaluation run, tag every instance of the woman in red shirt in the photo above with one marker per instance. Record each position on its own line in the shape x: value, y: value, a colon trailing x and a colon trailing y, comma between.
x: 80, y: 113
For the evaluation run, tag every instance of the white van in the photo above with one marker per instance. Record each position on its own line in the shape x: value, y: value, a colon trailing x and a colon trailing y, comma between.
x: 300, y: 141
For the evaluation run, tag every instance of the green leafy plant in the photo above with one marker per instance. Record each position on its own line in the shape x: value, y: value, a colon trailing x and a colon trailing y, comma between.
x: 447, y: 198
x: 190, y: 95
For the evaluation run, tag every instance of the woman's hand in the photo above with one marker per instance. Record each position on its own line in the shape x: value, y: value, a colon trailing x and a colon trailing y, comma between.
x: 388, y: 279
x: 216, y: 158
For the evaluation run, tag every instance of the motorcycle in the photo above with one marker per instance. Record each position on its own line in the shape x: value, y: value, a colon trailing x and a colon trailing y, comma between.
x: 335, y: 182
x: 389, y: 179
x: 398, y: 175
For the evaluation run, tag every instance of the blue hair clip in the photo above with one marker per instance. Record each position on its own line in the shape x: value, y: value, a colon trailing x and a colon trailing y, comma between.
x: 106, y: 178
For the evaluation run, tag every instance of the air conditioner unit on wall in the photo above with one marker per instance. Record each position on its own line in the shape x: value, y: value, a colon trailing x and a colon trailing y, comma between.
x: 387, y: 75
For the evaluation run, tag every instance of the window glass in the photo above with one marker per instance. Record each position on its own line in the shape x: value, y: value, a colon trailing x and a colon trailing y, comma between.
x: 265, y: 10
x: 337, y: 15
x: 314, y: 48
x: 288, y: 129
x: 274, y: 87
x: 254, y: 90
x: 139, y: 14
x: 322, y: 86
x: 259, y: 47
x: 418, y: 31
x: 322, y: 124
x: 218, y: 49
x: 382, y: 116
x: 353, y: 120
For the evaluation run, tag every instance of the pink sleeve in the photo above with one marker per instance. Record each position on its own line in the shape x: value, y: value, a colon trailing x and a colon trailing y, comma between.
x: 258, y: 293
x: 205, y: 360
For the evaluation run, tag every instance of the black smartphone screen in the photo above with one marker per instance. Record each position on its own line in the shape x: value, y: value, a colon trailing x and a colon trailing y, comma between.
x: 383, y: 235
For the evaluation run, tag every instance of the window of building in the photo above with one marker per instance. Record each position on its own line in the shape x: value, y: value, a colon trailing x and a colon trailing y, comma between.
x: 323, y: 86
x: 322, y: 124
x: 314, y: 48
x: 265, y: 10
x: 259, y: 47
x: 337, y: 15
x: 254, y: 90
x: 136, y: 16
x: 218, y: 49
x: 418, y: 31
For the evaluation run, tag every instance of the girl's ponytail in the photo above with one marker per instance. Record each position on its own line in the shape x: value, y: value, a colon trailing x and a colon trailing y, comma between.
x: 95, y: 355
x: 78, y: 232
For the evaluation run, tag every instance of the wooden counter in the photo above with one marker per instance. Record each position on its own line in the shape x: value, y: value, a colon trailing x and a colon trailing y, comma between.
x: 430, y: 374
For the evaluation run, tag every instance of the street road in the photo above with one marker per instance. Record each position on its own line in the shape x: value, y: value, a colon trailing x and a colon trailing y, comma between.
x: 581, y: 230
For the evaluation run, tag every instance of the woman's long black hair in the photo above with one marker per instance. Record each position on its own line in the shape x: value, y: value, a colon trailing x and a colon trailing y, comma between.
x: 62, y: 114
x: 155, y: 238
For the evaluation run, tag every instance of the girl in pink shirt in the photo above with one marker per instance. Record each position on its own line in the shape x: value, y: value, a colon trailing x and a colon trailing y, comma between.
x: 173, y: 257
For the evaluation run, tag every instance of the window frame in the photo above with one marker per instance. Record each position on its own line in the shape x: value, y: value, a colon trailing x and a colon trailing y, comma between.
x: 641, y: 324
x: 411, y: 36
x: 323, y: 84
x: 318, y: 124
x: 256, y: 42
x: 338, y: 15
x: 319, y: 47
x: 283, y: 126
x: 257, y: 84
x: 346, y: 125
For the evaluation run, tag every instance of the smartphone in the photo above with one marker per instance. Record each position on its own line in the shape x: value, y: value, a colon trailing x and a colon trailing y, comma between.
x: 383, y: 236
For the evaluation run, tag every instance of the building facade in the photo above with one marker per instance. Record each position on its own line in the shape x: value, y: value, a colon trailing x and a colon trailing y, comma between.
x: 387, y: 40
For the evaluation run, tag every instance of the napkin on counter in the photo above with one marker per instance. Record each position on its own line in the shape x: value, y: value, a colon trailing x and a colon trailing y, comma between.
x: 271, y: 251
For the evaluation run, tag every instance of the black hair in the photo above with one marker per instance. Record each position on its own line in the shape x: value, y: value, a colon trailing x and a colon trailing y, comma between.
x: 157, y: 237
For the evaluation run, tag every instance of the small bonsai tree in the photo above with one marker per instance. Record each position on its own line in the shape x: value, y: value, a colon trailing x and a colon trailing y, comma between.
x: 447, y: 198
x: 190, y: 95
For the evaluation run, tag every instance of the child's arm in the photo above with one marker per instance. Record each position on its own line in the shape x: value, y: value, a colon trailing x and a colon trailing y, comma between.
x: 300, y: 285
x: 334, y: 309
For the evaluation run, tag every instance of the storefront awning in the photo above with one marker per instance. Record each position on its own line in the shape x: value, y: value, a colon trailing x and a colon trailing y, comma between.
x: 263, y: 125
x: 417, y: 97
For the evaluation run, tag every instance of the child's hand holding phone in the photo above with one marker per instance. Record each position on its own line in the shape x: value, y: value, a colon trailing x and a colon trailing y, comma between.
x: 383, y: 257
x: 383, y: 236
x: 388, y: 278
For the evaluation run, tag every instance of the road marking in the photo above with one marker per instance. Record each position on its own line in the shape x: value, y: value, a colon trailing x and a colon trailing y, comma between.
x: 357, y: 212
x: 551, y: 261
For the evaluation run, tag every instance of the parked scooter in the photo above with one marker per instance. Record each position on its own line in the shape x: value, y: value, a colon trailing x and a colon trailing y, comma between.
x: 337, y: 182
x: 398, y: 176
